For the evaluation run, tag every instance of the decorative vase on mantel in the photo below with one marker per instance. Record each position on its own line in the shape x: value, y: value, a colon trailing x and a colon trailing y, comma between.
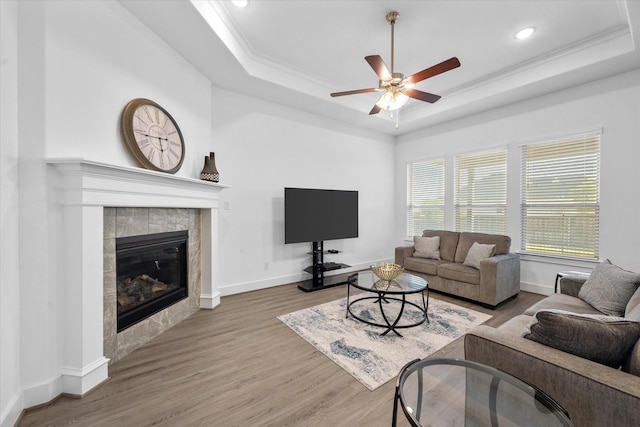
x: 209, y: 171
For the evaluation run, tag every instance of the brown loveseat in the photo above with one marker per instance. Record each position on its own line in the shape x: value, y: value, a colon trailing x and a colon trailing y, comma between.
x: 593, y: 393
x: 496, y: 279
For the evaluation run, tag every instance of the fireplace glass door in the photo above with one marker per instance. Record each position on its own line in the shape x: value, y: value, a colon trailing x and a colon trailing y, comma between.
x: 151, y: 274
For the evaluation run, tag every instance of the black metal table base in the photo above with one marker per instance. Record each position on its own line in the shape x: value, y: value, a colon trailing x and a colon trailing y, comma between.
x: 391, y: 326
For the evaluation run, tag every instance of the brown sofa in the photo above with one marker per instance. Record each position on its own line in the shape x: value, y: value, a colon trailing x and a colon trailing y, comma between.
x: 497, y: 279
x: 592, y: 393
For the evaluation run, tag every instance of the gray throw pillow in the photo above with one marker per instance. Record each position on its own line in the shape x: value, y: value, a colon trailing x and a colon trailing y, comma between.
x: 609, y: 288
x: 604, y: 339
x: 426, y: 247
x: 477, y: 252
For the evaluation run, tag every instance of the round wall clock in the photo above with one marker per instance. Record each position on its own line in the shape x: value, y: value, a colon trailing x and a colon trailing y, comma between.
x: 152, y: 136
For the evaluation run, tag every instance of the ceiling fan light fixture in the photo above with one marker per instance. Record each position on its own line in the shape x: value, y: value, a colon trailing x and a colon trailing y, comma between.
x: 525, y: 33
x: 240, y: 3
x: 392, y: 99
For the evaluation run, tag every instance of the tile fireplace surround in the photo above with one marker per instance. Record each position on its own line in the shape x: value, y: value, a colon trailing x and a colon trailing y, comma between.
x: 86, y: 189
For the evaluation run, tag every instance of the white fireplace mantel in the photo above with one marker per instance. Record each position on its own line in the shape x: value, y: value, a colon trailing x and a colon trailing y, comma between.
x: 86, y: 187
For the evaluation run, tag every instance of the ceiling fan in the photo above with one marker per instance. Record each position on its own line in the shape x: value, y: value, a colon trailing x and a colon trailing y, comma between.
x: 395, y: 87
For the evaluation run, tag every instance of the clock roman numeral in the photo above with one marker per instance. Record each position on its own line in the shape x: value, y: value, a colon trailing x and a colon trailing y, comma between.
x: 173, y: 153
x: 141, y: 120
x: 146, y: 110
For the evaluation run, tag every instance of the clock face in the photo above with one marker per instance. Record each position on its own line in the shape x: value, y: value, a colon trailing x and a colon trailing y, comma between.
x: 152, y: 136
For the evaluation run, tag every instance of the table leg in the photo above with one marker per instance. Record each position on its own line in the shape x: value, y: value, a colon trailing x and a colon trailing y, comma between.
x: 348, y: 289
x: 425, y: 304
x: 392, y: 327
x: 394, y: 421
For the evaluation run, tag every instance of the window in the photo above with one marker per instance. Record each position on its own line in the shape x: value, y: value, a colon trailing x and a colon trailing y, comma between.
x: 560, y: 196
x: 480, y: 198
x: 425, y: 196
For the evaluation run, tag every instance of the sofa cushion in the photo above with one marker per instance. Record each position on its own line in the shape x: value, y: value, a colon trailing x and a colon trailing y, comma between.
x: 632, y: 364
x: 604, y: 339
x: 459, y: 272
x: 562, y: 302
x: 503, y: 244
x: 448, y: 242
x: 477, y: 252
x: 423, y: 265
x: 632, y: 310
x: 426, y: 247
x: 609, y: 288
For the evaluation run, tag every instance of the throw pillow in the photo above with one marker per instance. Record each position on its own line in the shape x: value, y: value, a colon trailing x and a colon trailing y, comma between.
x: 478, y: 251
x: 604, y: 339
x: 426, y: 247
x: 609, y: 288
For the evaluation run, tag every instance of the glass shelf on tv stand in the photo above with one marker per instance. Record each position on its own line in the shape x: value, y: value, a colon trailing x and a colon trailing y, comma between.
x: 319, y: 280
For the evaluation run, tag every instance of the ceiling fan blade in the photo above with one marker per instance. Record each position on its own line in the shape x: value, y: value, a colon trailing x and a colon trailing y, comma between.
x: 379, y: 67
x: 374, y: 110
x: 354, y: 92
x: 422, y: 96
x: 440, y: 68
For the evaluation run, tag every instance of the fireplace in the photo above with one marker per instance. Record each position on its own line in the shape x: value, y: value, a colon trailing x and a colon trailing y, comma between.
x: 151, y: 274
x: 101, y: 203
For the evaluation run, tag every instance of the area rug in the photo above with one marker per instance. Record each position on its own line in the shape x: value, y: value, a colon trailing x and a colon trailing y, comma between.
x: 360, y: 349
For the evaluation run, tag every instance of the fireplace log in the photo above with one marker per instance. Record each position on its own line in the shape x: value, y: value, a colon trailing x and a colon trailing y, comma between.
x: 134, y: 291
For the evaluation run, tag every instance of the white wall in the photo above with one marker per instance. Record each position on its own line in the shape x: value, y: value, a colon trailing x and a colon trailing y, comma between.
x: 10, y: 396
x: 612, y: 104
x: 262, y: 148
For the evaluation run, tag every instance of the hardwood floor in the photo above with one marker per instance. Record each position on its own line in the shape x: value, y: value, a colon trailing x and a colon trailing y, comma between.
x: 237, y: 365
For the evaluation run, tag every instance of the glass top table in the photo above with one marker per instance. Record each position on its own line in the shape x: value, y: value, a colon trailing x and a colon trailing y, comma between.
x: 451, y: 392
x: 386, y: 292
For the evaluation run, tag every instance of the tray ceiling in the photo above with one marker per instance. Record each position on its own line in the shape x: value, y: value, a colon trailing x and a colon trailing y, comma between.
x: 296, y: 52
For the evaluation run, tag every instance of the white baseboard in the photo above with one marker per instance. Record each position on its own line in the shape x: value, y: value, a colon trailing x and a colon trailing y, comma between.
x: 238, y: 288
x: 71, y: 381
x: 42, y: 393
x: 11, y: 414
x: 79, y: 381
x: 208, y: 301
x: 536, y: 288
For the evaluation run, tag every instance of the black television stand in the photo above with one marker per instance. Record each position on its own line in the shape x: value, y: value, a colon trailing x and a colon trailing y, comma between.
x: 317, y: 270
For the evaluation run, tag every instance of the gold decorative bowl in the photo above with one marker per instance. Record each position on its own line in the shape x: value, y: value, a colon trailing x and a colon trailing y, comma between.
x: 387, y: 271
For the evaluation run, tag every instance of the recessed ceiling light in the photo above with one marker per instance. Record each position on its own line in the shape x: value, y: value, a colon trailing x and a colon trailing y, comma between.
x: 240, y: 3
x: 525, y: 33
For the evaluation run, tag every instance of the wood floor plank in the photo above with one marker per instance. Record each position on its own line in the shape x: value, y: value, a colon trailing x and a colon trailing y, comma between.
x: 237, y: 365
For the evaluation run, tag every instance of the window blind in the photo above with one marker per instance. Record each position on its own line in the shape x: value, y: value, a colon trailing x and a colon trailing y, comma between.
x: 480, y: 199
x: 560, y: 196
x: 425, y: 196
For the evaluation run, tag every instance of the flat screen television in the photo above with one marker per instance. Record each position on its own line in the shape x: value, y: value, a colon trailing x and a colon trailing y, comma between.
x: 315, y: 215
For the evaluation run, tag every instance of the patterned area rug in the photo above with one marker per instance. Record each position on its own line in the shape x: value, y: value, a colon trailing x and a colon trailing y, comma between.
x: 360, y: 349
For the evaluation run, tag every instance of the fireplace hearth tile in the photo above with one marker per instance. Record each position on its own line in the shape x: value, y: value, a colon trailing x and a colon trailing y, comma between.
x: 132, y: 338
x: 109, y: 223
x: 161, y: 220
x: 132, y: 222
x: 110, y: 322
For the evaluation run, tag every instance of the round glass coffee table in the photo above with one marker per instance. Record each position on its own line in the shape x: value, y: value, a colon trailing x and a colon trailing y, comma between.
x: 388, y: 292
x: 451, y: 392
